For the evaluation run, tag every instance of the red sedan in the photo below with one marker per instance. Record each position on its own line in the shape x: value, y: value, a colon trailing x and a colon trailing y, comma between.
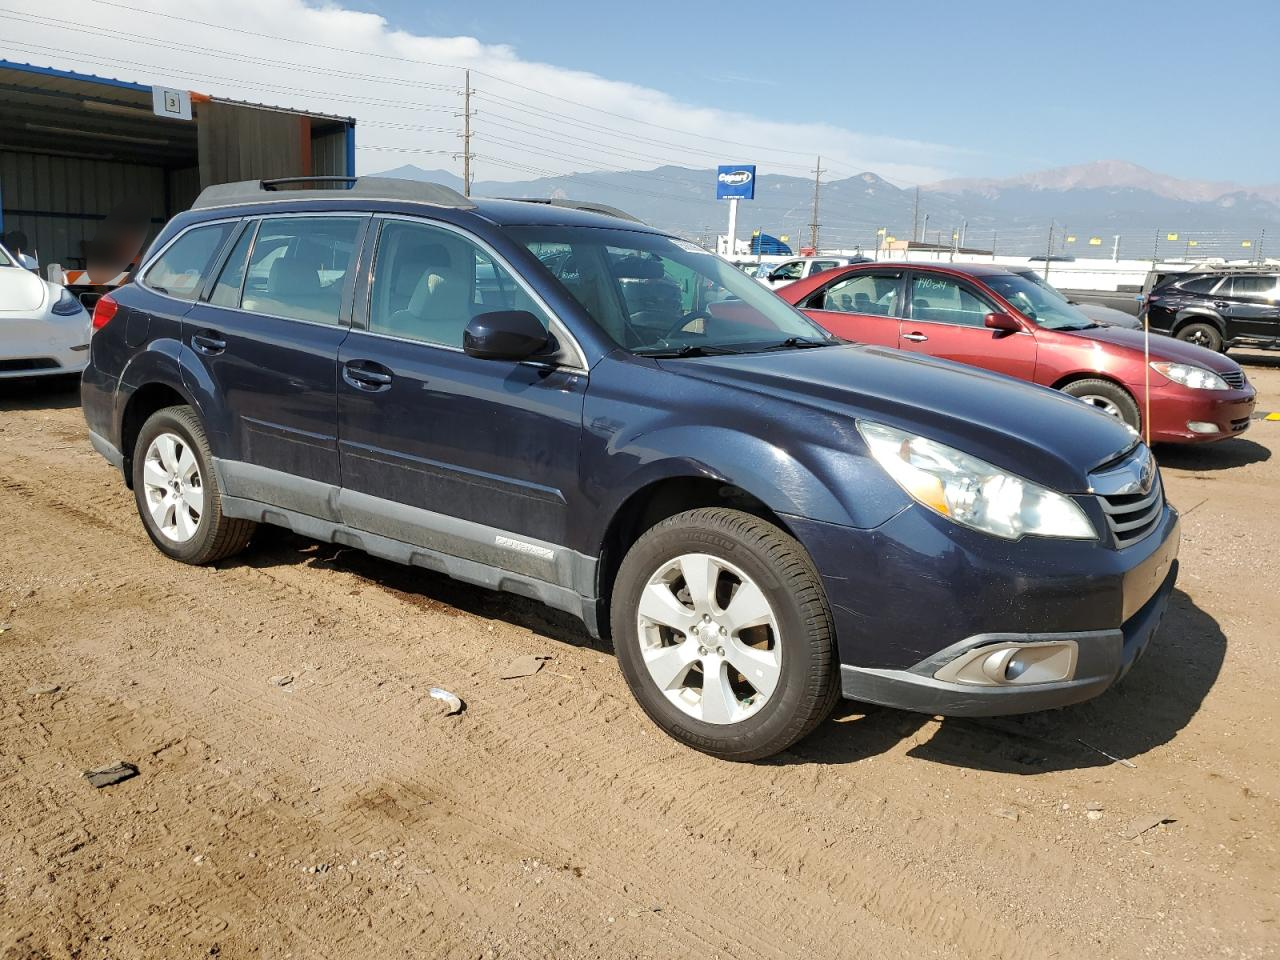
x: 989, y: 317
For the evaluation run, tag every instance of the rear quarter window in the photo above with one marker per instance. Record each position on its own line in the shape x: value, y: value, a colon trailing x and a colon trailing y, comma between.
x: 183, y: 267
x: 1199, y: 284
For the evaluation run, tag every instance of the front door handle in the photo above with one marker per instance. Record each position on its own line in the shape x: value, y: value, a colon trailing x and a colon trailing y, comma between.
x: 208, y: 342
x: 366, y: 375
x: 1221, y: 304
x: 915, y: 337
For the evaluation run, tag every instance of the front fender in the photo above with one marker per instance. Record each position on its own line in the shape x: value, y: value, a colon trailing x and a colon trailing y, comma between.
x: 824, y: 482
x: 1185, y: 317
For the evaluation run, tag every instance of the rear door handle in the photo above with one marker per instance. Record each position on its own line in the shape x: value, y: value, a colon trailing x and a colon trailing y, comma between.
x: 366, y: 375
x: 915, y: 337
x: 208, y: 342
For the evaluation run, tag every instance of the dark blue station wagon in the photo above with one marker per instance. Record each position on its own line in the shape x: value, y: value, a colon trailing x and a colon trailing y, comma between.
x: 555, y: 400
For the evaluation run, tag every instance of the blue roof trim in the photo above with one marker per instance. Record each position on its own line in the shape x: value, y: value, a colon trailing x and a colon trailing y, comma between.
x: 72, y: 75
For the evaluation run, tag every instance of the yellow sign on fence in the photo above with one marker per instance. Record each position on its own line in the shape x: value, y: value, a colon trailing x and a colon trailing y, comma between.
x: 1095, y: 241
x: 1071, y: 238
x: 1171, y: 236
x: 1246, y: 243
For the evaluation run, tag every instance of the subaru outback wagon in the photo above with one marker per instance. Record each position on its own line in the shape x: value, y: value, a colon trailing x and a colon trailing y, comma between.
x: 575, y: 407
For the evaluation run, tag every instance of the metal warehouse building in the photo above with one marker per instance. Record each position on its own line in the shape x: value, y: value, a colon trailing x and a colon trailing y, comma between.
x: 79, y: 153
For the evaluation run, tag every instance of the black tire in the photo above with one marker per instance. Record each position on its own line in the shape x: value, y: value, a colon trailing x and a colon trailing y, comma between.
x: 808, y: 683
x: 216, y: 536
x: 1119, y: 398
x: 1202, y: 335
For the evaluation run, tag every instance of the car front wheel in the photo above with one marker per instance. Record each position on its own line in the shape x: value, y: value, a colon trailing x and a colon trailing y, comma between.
x: 723, y: 633
x: 1109, y: 398
x: 177, y: 491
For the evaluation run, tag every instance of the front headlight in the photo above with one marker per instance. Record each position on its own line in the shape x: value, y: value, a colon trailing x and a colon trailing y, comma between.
x: 1198, y: 378
x: 67, y: 305
x: 972, y: 492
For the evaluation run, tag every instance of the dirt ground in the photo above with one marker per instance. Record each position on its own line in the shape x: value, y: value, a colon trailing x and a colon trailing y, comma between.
x: 342, y: 815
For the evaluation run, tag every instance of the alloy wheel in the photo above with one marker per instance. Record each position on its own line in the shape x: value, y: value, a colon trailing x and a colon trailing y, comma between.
x: 709, y: 638
x: 1102, y: 403
x: 173, y: 487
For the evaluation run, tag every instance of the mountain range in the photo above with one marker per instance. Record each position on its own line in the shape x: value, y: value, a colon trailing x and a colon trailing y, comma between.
x: 1095, y: 200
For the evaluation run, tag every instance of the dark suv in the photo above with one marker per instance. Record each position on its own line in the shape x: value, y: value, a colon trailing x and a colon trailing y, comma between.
x: 578, y: 408
x: 1217, y: 310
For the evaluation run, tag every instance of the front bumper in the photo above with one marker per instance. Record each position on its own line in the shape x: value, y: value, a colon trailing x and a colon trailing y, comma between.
x: 1173, y: 407
x: 918, y: 592
x: 1104, y: 656
x: 40, y: 347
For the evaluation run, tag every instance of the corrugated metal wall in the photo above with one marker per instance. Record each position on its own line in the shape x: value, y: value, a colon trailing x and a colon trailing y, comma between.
x: 239, y: 143
x: 59, y: 202
x: 329, y: 154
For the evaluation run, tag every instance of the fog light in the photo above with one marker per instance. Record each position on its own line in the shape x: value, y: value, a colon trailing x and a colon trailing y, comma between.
x: 1199, y: 426
x: 1018, y: 664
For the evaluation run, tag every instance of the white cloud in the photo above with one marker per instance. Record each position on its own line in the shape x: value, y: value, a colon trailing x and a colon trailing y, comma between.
x: 411, y: 108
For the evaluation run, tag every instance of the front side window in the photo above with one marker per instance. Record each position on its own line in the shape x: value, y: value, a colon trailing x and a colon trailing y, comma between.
x: 1038, y: 302
x: 656, y: 295
x: 299, y: 266
x: 789, y: 271
x: 1254, y: 287
x: 943, y: 300
x: 428, y: 282
x: 867, y: 293
x: 181, y: 270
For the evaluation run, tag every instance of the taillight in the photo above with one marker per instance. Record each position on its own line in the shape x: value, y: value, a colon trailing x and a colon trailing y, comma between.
x: 103, y: 311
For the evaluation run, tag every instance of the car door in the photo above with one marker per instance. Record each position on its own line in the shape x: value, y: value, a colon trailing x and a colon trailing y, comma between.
x: 468, y: 457
x: 1249, y: 305
x: 862, y: 306
x: 264, y: 344
x: 945, y: 317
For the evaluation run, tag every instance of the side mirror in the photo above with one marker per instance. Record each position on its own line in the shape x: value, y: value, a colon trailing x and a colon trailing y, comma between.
x: 1002, y: 322
x: 505, y: 335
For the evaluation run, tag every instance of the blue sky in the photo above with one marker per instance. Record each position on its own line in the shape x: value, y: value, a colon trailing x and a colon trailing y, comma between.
x: 1176, y: 86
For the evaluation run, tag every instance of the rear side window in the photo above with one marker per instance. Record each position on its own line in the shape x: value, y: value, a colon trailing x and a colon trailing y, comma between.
x: 1199, y: 284
x: 182, y: 269
x: 226, y: 292
x: 299, y: 266
x: 429, y: 282
x: 941, y: 300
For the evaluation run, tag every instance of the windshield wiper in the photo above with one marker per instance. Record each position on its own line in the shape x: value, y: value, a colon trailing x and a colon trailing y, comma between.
x: 796, y: 343
x: 688, y: 350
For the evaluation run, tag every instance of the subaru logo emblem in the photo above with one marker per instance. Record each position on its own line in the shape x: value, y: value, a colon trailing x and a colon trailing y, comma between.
x: 735, y: 178
x: 1147, y: 474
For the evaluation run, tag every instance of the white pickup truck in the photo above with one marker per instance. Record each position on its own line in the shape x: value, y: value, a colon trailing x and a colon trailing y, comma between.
x: 798, y: 268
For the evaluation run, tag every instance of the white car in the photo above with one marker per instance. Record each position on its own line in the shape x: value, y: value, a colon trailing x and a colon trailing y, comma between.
x: 801, y: 267
x: 44, y: 331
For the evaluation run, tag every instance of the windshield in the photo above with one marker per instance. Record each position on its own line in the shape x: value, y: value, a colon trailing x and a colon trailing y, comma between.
x: 1039, y: 302
x: 656, y: 295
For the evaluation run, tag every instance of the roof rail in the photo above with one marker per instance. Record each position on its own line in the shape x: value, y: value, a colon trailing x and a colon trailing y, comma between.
x: 587, y: 206
x: 330, y: 188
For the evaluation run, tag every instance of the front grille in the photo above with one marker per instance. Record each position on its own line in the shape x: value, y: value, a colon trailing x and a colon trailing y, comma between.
x: 1240, y: 424
x: 28, y: 363
x: 1131, y: 516
x: 1235, y: 379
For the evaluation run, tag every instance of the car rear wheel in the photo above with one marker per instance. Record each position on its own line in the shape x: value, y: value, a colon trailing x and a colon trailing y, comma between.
x: 723, y: 634
x: 1202, y: 335
x: 1109, y: 398
x: 177, y: 493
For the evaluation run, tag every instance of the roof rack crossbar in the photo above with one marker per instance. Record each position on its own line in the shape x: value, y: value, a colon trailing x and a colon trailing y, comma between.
x: 330, y: 188
x: 587, y: 206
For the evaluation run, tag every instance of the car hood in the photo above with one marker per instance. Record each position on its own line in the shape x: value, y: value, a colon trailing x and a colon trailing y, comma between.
x: 1110, y: 316
x: 1162, y: 347
x: 1037, y: 433
x: 21, y: 291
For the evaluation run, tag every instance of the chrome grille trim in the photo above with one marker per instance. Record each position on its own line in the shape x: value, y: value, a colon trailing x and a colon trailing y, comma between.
x: 1234, y: 379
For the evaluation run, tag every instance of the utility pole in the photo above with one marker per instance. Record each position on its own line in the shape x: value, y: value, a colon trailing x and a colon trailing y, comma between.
x: 964, y: 229
x: 466, y: 136
x: 1262, y: 238
x: 1115, y: 249
x: 814, y: 224
x: 1048, y: 254
x: 993, y: 246
x: 915, y: 219
x: 925, y: 232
